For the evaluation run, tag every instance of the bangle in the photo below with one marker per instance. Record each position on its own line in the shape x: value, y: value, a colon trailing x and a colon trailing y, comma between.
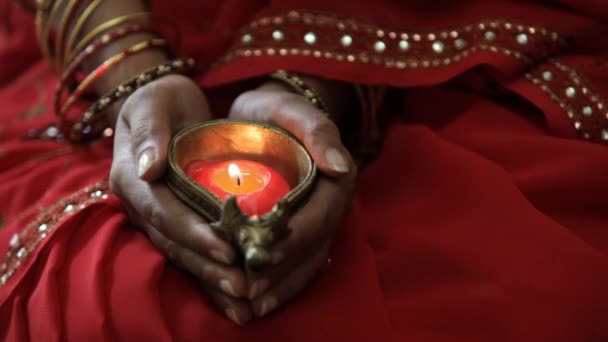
x: 101, y: 28
x: 68, y: 13
x: 77, y: 28
x: 69, y: 73
x: 300, y: 87
x: 85, y: 128
x: 104, y: 67
x: 43, y: 28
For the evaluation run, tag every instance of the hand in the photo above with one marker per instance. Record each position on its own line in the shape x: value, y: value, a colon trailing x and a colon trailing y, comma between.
x: 299, y: 257
x: 146, y: 122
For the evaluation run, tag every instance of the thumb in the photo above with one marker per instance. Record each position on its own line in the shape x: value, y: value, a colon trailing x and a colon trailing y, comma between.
x: 295, y: 114
x: 148, y: 121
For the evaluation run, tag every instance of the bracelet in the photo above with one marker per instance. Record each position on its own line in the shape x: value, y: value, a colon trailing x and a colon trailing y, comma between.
x: 43, y: 28
x: 68, y: 13
x: 105, y: 67
x: 69, y: 74
x: 77, y: 28
x: 89, y: 37
x: 300, y: 87
x: 83, y: 129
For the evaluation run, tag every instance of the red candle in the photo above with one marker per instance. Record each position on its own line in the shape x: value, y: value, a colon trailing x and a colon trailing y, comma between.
x: 257, y: 187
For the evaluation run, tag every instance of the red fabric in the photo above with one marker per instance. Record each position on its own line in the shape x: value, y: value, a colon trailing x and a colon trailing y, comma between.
x: 484, y: 219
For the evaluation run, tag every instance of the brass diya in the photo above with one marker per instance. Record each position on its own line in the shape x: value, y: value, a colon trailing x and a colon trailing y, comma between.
x: 227, y: 139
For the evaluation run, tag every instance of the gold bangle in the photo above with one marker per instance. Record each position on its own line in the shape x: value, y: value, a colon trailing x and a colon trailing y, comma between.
x: 300, y: 87
x: 43, y: 26
x: 107, y: 65
x: 75, y: 32
x: 63, y: 22
x: 103, y: 27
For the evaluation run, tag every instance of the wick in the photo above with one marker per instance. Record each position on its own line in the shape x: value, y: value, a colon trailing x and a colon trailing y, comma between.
x: 238, y: 181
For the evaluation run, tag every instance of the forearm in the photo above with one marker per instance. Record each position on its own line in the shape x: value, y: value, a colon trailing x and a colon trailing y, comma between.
x: 133, y: 65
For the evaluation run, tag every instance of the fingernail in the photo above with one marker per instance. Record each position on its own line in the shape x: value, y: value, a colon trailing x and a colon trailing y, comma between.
x: 336, y: 160
x: 231, y: 313
x: 145, y: 162
x: 277, y: 257
x: 258, y: 287
x: 268, y: 304
x: 220, y: 256
x: 226, y: 286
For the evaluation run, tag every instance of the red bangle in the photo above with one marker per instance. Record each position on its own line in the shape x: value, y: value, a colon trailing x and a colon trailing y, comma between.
x: 105, y: 67
x: 68, y: 74
x: 90, y: 124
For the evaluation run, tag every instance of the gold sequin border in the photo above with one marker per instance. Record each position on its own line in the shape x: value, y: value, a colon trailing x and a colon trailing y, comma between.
x: 25, y: 242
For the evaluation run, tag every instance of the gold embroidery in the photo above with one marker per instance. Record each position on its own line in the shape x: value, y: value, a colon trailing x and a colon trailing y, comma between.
x: 322, y: 35
x: 568, y: 88
x: 25, y: 242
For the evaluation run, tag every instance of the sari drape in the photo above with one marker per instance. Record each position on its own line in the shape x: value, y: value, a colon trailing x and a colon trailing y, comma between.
x: 485, y: 217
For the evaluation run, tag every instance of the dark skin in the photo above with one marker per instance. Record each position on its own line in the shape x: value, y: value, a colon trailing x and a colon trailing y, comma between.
x: 145, y: 123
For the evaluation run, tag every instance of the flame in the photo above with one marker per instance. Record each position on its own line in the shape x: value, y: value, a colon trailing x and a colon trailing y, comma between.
x: 234, y: 172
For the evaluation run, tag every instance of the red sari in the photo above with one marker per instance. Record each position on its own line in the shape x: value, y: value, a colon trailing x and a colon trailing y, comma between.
x: 484, y: 219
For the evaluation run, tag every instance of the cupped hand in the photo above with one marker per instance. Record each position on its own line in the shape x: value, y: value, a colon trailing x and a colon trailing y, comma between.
x: 146, y: 122
x: 304, y: 252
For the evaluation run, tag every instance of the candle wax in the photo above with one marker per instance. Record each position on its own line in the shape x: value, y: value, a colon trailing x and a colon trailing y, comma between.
x: 256, y: 186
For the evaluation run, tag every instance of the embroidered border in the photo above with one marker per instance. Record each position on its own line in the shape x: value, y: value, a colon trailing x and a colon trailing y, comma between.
x: 25, y: 242
x: 321, y: 35
x: 568, y: 88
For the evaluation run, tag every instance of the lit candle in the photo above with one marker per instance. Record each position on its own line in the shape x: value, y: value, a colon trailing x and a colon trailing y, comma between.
x: 256, y: 186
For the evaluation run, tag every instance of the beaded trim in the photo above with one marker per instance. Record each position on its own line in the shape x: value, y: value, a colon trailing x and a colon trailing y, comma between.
x: 344, y: 39
x: 86, y: 129
x: 300, y: 87
x: 25, y: 242
x: 568, y: 88
x: 328, y: 36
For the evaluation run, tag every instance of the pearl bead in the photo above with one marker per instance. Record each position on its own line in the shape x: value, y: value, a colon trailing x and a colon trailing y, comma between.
x: 14, y: 241
x: 246, y: 38
x: 490, y: 36
x: 570, y: 92
x: 277, y: 35
x: 43, y: 227
x: 379, y: 46
x: 346, y: 40
x: 587, y: 111
x: 577, y: 125
x: 605, y: 134
x: 52, y: 131
x: 460, y: 43
x: 522, y: 39
x: 21, y: 253
x: 438, y: 47
x: 547, y: 75
x: 310, y: 38
x: 404, y: 45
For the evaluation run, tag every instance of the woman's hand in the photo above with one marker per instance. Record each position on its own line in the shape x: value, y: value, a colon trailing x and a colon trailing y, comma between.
x: 299, y: 257
x: 146, y: 123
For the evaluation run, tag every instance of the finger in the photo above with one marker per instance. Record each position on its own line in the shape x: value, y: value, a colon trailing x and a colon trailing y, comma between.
x: 157, y: 204
x: 270, y: 276
x: 298, y: 116
x: 315, y: 220
x: 154, y: 113
x: 237, y: 310
x: 150, y: 130
x: 229, y: 280
x: 293, y: 284
x: 224, y: 298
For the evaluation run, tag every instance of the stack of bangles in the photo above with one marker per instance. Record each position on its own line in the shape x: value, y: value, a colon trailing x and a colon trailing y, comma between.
x: 60, y: 30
